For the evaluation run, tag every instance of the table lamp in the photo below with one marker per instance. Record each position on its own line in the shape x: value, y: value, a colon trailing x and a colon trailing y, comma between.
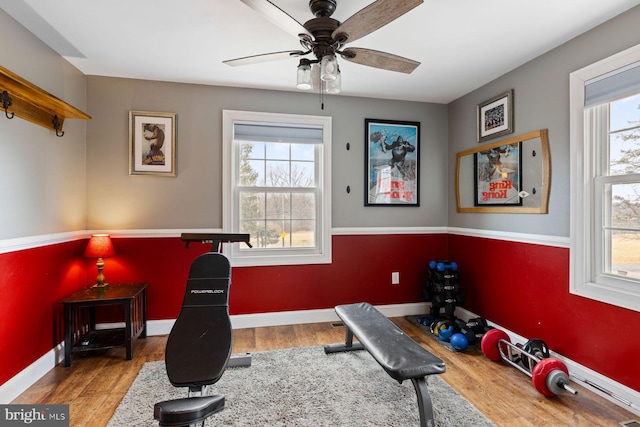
x: 100, y: 246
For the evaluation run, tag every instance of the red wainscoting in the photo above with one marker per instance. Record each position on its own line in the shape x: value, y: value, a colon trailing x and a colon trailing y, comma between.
x: 525, y: 288
x: 361, y: 270
x: 33, y: 281
x: 31, y: 284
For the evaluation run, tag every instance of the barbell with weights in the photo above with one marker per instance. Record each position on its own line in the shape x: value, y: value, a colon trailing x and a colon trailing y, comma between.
x: 549, y: 375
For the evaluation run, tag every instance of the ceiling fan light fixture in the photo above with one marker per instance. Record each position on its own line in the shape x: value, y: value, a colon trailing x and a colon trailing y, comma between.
x: 304, y: 81
x: 328, y: 68
x: 334, y: 86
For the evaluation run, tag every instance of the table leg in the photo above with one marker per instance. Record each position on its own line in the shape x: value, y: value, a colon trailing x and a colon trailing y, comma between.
x: 128, y: 330
x: 144, y: 313
x: 68, y: 335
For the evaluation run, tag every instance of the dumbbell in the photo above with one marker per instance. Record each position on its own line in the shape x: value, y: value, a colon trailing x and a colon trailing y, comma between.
x: 446, y: 331
x: 473, y: 329
x: 549, y: 376
x: 478, y: 324
x: 443, y: 329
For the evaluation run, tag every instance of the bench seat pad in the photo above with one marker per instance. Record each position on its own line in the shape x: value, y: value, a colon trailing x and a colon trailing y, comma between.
x: 398, y: 354
x: 188, y: 410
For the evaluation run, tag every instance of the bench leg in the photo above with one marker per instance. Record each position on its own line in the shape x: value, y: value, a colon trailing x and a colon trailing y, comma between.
x: 424, y: 402
x: 347, y: 346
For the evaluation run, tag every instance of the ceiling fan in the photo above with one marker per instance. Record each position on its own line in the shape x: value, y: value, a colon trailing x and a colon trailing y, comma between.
x: 325, y: 37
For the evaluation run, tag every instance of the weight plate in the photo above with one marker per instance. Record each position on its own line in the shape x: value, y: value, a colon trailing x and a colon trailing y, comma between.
x: 538, y: 348
x: 544, y: 371
x: 491, y: 341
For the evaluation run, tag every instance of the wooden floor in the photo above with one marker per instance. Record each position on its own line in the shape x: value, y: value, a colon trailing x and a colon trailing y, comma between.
x: 94, y: 385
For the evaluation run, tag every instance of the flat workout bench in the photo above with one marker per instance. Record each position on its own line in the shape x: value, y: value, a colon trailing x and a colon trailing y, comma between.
x: 399, y: 355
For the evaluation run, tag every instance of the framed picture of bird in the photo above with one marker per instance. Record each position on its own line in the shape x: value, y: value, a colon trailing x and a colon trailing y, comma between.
x: 392, y: 163
x: 152, y: 139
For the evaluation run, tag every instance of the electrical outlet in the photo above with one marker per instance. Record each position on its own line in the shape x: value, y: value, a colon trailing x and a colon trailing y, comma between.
x: 395, y: 278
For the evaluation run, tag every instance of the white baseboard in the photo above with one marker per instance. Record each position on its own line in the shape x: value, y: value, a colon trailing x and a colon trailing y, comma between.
x: 618, y: 394
x: 32, y: 373
x: 243, y: 321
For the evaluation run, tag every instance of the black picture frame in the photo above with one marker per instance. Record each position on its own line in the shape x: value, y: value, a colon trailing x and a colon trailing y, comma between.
x: 498, y: 176
x: 392, y: 163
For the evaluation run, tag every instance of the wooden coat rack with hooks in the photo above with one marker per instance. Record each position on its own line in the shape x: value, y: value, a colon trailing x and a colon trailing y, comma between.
x: 22, y: 98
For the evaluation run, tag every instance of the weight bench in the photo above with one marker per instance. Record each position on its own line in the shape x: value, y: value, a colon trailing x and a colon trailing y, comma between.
x: 199, y: 345
x: 399, y: 355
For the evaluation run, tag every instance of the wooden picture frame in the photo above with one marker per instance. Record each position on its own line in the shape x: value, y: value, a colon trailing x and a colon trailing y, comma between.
x: 498, y: 176
x: 495, y: 116
x: 392, y: 167
x: 152, y: 143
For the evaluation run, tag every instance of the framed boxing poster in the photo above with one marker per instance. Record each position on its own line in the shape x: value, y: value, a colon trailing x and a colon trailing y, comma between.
x: 152, y: 143
x: 495, y: 116
x: 392, y: 163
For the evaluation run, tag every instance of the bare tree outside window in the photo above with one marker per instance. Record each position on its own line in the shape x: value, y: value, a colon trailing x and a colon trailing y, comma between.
x: 624, y: 159
x: 277, y: 203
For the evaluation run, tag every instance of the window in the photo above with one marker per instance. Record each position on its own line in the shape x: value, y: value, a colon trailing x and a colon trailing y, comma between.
x: 276, y: 187
x: 605, y: 180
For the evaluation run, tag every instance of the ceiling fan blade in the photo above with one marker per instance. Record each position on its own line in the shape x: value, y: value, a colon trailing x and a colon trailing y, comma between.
x: 372, y: 17
x: 276, y: 15
x: 273, y: 56
x: 377, y: 59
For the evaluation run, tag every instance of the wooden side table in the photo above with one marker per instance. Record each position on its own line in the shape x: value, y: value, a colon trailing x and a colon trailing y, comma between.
x: 80, y: 334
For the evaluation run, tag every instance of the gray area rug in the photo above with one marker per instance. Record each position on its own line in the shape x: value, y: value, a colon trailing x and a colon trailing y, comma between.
x: 303, y: 387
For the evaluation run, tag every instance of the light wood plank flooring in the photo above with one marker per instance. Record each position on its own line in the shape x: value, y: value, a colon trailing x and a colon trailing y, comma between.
x: 94, y: 385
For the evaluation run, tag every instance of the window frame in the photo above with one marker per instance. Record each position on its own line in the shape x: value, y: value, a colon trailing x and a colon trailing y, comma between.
x: 321, y: 253
x: 587, y: 248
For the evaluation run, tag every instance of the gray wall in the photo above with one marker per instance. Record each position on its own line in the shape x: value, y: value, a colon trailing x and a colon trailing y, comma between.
x: 541, y: 99
x: 42, y: 177
x: 45, y: 187
x: 117, y: 200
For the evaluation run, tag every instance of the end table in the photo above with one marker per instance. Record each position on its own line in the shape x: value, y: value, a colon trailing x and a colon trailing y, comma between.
x: 80, y: 334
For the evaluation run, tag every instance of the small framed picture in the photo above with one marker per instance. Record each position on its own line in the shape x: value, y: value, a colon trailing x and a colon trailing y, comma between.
x: 392, y: 163
x: 152, y: 139
x: 498, y: 176
x: 495, y: 116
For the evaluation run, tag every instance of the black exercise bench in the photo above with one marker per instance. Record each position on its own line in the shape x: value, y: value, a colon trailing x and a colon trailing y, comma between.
x: 399, y: 355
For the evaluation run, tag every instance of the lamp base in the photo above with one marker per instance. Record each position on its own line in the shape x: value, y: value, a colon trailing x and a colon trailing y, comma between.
x: 100, y: 287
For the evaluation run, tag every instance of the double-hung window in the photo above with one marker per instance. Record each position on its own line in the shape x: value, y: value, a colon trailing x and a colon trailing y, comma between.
x: 276, y: 187
x: 605, y: 180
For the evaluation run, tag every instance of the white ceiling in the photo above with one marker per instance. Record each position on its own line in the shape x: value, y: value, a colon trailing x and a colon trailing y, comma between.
x: 462, y: 44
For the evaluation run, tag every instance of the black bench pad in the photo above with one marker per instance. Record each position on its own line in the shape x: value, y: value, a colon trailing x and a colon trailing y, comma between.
x: 186, y: 411
x: 398, y: 354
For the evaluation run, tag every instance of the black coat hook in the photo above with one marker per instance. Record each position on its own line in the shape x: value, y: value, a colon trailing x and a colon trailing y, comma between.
x: 348, y: 146
x: 57, y: 126
x: 6, y: 103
